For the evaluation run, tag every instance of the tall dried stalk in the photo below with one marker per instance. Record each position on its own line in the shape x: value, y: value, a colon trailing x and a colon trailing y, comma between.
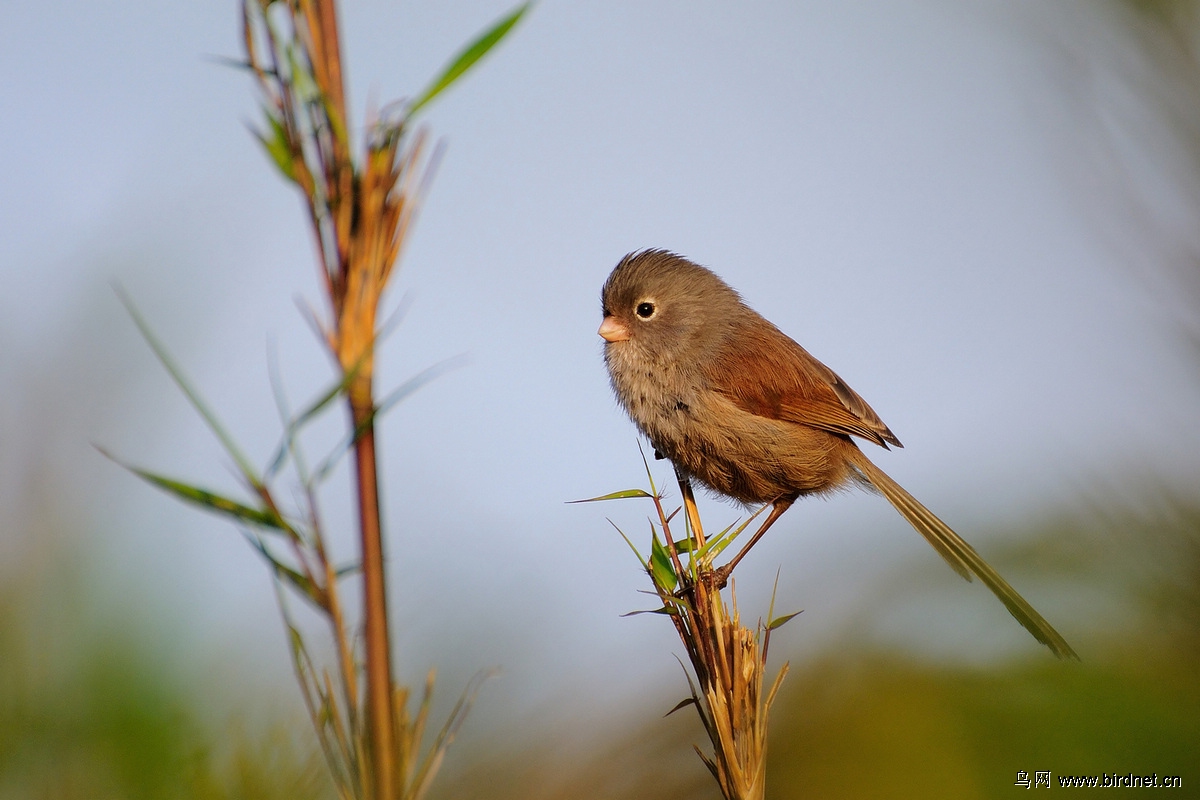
x: 360, y: 210
x: 358, y: 217
x: 728, y: 659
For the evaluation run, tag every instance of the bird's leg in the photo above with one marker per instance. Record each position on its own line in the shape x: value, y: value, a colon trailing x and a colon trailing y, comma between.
x: 721, y: 574
x: 689, y: 507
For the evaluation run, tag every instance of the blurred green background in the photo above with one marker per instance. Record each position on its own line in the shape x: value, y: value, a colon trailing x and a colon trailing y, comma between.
x: 91, y: 706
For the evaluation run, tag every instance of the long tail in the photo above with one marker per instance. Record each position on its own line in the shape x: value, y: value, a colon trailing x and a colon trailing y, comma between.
x: 962, y: 557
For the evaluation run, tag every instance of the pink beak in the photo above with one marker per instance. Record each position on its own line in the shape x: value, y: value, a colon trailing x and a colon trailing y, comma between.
x: 613, y: 331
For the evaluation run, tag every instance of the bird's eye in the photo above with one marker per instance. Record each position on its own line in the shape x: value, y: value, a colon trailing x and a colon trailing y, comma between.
x: 645, y: 310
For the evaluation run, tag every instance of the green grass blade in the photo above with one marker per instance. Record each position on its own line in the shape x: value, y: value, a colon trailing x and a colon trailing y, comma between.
x: 218, y: 504
x: 185, y: 386
x: 302, y: 583
x: 666, y: 610
x: 641, y: 560
x: 416, y: 382
x: 622, y: 495
x: 685, y: 545
x: 778, y: 622
x: 277, y: 146
x: 649, y: 474
x: 297, y: 422
x: 718, y: 543
x: 287, y: 446
x: 662, y: 571
x: 401, y: 392
x: 467, y: 58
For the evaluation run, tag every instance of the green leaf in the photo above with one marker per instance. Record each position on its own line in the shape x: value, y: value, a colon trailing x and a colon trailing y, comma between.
x: 219, y: 504
x: 302, y: 583
x: 662, y: 571
x: 300, y: 420
x: 641, y: 560
x: 319, y: 405
x: 718, y: 543
x: 277, y: 146
x: 616, y: 496
x: 416, y: 382
x: 779, y: 622
x: 467, y: 58
x: 646, y: 464
x: 685, y: 545
x: 664, y: 610
x: 192, y: 395
x: 404, y: 390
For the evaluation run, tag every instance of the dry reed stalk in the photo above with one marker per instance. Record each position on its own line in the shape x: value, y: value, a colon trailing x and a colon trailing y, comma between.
x: 729, y: 665
x: 728, y: 659
x: 360, y: 211
x: 360, y: 215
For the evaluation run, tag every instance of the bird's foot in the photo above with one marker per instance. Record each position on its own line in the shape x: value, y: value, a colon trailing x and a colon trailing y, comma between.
x: 719, y: 577
x: 716, y: 578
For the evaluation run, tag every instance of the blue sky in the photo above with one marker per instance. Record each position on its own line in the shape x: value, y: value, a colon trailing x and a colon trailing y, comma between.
x: 973, y: 212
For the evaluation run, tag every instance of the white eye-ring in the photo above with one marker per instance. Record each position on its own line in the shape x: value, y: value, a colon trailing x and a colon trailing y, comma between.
x: 646, y: 309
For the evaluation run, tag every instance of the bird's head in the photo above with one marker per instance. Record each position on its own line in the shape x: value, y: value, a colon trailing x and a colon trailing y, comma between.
x: 664, y: 307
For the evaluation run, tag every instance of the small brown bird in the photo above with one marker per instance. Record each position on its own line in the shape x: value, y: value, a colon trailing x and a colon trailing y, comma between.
x: 740, y: 407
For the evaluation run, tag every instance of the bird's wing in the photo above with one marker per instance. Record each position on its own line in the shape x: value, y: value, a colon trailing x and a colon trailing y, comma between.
x: 769, y: 375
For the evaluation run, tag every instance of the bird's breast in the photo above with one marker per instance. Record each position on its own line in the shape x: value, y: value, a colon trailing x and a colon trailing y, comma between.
x: 660, y: 398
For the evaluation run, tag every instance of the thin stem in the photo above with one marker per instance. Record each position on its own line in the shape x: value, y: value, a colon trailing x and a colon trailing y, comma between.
x: 378, y: 662
x: 689, y: 505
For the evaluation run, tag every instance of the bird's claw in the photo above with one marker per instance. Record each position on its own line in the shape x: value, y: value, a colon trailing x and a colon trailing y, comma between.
x: 719, y: 577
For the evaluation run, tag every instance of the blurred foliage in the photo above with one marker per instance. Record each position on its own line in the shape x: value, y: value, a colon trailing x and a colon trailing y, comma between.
x: 93, y: 712
x: 876, y: 725
x: 99, y: 714
x: 869, y: 721
x: 935, y: 730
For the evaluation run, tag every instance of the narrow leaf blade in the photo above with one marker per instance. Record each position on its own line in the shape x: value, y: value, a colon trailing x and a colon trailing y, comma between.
x: 467, y: 58
x: 278, y: 147
x: 688, y: 701
x: 185, y: 386
x: 219, y: 504
x: 779, y: 622
x: 622, y: 495
x: 662, y: 571
x: 667, y: 610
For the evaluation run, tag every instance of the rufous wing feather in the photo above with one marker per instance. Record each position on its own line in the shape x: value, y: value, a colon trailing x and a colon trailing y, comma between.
x: 764, y: 372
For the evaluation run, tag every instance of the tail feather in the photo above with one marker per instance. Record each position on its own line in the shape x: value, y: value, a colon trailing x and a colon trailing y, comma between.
x: 963, y: 558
